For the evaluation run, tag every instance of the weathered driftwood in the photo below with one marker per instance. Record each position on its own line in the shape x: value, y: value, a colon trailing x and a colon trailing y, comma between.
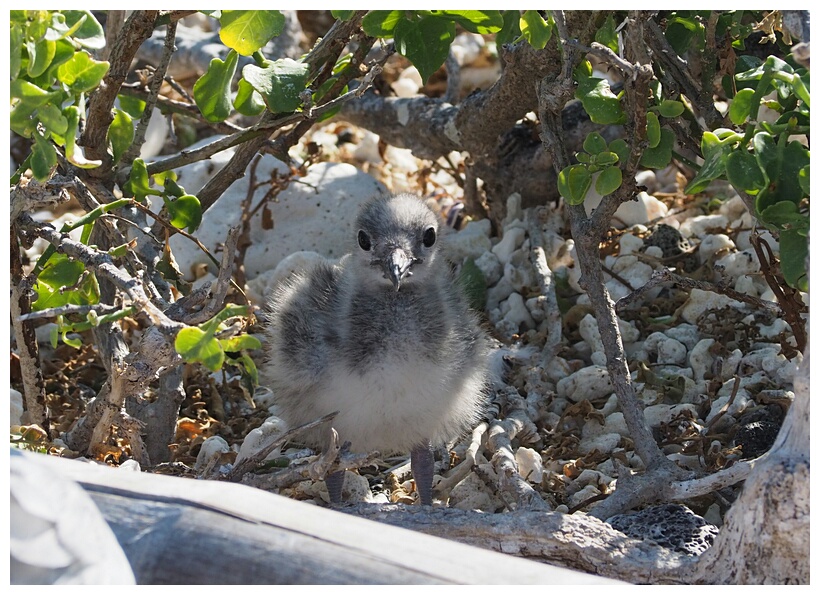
x: 176, y: 530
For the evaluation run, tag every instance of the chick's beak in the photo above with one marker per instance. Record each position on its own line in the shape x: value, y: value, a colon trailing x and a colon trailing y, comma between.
x: 397, y: 266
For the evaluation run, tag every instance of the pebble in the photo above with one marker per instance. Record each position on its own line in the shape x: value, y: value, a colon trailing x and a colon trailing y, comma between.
x: 260, y: 437
x: 590, y: 383
x: 530, y: 464
x: 214, y: 446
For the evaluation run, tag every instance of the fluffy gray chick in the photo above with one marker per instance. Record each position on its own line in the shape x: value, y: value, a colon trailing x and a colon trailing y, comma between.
x: 385, y: 338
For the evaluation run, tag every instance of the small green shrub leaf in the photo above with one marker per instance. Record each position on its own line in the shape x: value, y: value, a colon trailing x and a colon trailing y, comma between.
x: 425, y: 42
x: 535, y: 29
x: 609, y: 180
x: 670, y: 108
x: 248, y: 101
x: 599, y: 102
x: 659, y: 156
x: 594, y: 143
x: 279, y: 83
x: 185, y: 212
x: 82, y: 73
x: 380, y: 23
x: 197, y: 346
x: 794, y: 247
x: 653, y: 129
x: 120, y: 133
x: 741, y: 106
x: 212, y: 92
x: 247, y: 31
x: 743, y: 172
x: 573, y: 183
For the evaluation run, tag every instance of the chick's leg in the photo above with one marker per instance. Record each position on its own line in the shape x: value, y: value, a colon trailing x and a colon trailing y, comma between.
x: 421, y: 464
x: 334, y: 483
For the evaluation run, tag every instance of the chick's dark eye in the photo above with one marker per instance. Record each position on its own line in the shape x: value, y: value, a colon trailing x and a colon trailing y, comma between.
x: 429, y: 237
x: 364, y: 241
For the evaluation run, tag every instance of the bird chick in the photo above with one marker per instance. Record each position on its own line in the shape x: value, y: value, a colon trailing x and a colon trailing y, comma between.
x: 385, y: 338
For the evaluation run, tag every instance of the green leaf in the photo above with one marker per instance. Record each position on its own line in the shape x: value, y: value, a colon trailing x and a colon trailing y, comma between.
x: 599, y: 102
x: 714, y: 166
x: 247, y: 101
x: 482, y: 22
x: 682, y: 31
x: 609, y: 180
x: 90, y: 34
x: 52, y: 118
x: 246, y: 31
x: 743, y: 172
x: 741, y: 106
x: 212, y: 92
x: 73, y: 152
x: 801, y: 89
x: 185, y: 211
x: 594, y: 143
x: 16, y: 50
x: 573, y: 183
x: 794, y: 247
x: 805, y: 180
x: 653, y: 129
x: 426, y: 42
x: 782, y: 164
x: 82, y: 73
x: 605, y: 158
x: 40, y: 55
x: 43, y: 158
x: 279, y: 83
x: 582, y: 71
x: 195, y: 345
x: 250, y: 368
x: 138, y: 184
x: 670, y: 108
x: 535, y: 29
x: 120, y: 133
x: 240, y: 342
x: 620, y: 147
x: 380, y: 23
x: 342, y: 15
x: 607, y: 35
x: 785, y: 215
x: 61, y: 272
x: 132, y: 106
x: 511, y: 29
x: 658, y: 157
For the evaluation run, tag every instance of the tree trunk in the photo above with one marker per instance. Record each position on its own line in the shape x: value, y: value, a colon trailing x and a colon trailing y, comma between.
x: 765, y: 537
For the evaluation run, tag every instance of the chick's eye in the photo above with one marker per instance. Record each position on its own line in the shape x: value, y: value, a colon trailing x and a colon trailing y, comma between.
x: 429, y: 237
x: 364, y: 241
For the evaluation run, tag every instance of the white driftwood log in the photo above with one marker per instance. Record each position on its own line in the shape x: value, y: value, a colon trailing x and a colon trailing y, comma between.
x: 185, y: 531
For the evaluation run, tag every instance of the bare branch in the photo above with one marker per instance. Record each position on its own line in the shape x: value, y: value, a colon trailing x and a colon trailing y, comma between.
x: 156, y: 83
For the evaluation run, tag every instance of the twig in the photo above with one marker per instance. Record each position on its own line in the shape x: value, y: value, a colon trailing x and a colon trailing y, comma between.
x: 66, y: 310
x: 247, y: 465
x: 103, y: 266
x: 462, y: 470
x: 790, y: 304
x: 499, y: 441
x: 546, y: 284
x: 156, y: 83
x: 725, y: 408
x: 34, y: 390
x: 664, y: 275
